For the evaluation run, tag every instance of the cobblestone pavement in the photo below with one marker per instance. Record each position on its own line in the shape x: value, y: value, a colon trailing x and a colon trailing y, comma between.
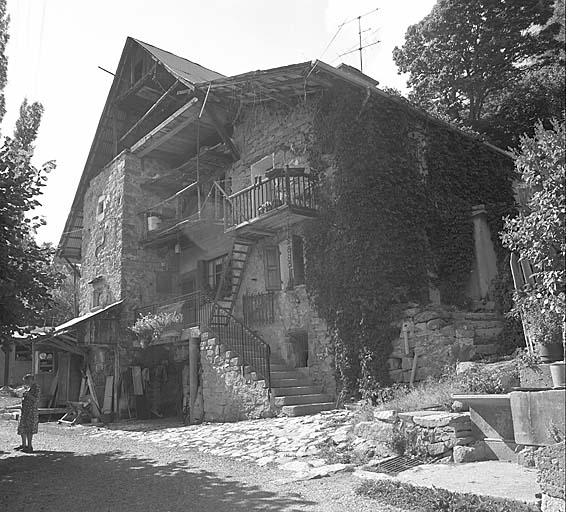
x: 291, y: 443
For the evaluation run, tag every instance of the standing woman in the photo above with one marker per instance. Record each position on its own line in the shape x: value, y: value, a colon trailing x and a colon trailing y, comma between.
x: 29, y: 417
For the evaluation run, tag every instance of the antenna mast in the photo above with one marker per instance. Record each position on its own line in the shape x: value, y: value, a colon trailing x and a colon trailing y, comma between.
x: 360, y: 46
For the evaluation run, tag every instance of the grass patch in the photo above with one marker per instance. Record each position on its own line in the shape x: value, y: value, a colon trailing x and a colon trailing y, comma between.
x: 424, y: 499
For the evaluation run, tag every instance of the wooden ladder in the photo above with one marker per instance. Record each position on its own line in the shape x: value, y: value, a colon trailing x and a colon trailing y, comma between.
x: 231, y: 280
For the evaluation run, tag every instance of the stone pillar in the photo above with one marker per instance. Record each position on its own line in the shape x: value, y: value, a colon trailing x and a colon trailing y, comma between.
x: 194, y: 356
x: 486, y: 259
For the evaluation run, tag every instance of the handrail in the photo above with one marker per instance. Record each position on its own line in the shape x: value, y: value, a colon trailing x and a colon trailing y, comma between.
x: 251, y: 347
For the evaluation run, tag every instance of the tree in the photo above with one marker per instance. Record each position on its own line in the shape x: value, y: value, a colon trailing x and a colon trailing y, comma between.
x: 466, y: 51
x: 538, y: 232
x: 26, y: 273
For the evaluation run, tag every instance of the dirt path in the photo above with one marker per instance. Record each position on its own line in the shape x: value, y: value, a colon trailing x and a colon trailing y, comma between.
x: 73, y: 471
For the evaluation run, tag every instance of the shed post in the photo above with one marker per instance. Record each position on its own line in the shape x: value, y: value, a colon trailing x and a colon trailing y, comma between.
x: 194, y: 354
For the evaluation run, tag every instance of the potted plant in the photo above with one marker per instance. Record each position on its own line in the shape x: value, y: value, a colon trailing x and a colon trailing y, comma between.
x: 148, y: 328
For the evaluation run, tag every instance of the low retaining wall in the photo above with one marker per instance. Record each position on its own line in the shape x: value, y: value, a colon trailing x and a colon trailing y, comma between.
x: 438, y: 335
x: 231, y: 391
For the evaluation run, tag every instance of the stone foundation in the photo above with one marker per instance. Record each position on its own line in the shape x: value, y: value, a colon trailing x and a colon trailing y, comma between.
x: 437, y: 336
x: 231, y: 391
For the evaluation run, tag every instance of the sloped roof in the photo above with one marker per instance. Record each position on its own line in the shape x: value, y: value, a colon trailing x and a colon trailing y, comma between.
x: 183, y: 69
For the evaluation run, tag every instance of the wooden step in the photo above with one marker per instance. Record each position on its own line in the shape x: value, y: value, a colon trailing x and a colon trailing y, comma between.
x: 306, y: 409
x: 302, y: 399
x: 285, y: 374
x: 297, y: 390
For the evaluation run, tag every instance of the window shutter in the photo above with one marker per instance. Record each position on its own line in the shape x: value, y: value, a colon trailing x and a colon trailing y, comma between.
x: 298, y: 260
x: 272, y: 269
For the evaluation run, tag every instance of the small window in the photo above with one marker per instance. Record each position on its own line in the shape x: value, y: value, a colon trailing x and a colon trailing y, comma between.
x: 22, y: 353
x: 100, y: 207
x: 46, y: 362
x: 214, y: 270
x: 272, y: 268
x: 298, y: 260
x: 97, y: 297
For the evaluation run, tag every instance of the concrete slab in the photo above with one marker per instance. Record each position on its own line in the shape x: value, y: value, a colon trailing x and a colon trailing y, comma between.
x: 489, y: 478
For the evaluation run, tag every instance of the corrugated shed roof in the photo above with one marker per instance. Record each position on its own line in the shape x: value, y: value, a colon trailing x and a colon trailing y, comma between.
x: 182, y: 68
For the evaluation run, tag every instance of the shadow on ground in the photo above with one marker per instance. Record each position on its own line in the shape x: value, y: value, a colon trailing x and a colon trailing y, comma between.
x: 113, y: 481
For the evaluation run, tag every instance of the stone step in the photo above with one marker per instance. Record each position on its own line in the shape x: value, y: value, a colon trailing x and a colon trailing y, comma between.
x: 489, y: 332
x: 302, y: 399
x: 304, y: 410
x: 297, y: 390
x: 290, y: 383
x: 285, y: 374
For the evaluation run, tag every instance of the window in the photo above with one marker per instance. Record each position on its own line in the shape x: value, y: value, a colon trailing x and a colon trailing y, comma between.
x: 259, y: 169
x: 298, y: 260
x: 214, y: 270
x: 97, y: 297
x: 22, y: 353
x: 100, y: 206
x: 272, y: 269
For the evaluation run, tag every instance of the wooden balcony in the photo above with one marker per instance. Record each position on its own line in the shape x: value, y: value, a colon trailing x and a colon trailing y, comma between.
x: 184, y: 213
x: 284, y: 197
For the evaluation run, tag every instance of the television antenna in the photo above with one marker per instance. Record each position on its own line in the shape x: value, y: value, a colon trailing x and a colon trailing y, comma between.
x: 360, y: 47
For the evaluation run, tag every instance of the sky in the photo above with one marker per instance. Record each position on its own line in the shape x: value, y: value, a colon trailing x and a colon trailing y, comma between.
x: 56, y: 47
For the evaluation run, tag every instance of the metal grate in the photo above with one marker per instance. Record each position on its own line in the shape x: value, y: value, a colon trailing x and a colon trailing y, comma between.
x: 395, y: 465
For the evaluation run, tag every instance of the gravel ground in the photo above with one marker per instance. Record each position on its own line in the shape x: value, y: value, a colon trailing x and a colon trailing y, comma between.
x: 70, y: 470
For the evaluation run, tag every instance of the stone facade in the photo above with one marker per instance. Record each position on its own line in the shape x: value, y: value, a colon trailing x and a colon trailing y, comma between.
x: 550, y: 463
x: 437, y: 336
x: 230, y: 390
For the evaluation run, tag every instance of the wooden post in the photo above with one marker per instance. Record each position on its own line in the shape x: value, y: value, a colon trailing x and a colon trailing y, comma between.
x: 116, y: 409
x: 287, y: 186
x: 194, y: 354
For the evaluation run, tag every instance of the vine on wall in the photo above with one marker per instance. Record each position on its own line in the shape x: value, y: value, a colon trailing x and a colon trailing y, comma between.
x: 396, y: 208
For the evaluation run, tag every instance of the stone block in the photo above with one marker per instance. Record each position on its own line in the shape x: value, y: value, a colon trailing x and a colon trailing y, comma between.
x: 442, y: 419
x: 550, y: 464
x: 374, y: 430
x: 386, y: 416
x: 434, y: 324
x: 436, y: 449
x: 464, y: 441
x: 426, y: 316
x: 396, y: 375
x: 473, y: 453
x: 407, y: 363
x: 551, y: 504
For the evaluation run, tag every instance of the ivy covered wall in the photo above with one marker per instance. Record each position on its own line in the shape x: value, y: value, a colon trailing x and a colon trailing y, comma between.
x: 396, y: 220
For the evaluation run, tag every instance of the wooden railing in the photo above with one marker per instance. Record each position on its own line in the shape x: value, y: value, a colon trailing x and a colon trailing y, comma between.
x: 259, y: 308
x: 184, y: 206
x: 283, y: 187
x: 195, y: 308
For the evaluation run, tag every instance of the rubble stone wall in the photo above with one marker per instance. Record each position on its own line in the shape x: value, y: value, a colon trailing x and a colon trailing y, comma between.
x: 263, y: 131
x: 231, y: 392
x: 437, y: 335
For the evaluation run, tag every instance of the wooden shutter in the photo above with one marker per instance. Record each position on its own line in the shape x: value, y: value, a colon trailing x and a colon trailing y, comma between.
x: 298, y: 260
x: 272, y: 269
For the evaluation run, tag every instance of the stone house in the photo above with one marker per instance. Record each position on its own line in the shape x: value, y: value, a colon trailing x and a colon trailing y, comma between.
x: 193, y: 202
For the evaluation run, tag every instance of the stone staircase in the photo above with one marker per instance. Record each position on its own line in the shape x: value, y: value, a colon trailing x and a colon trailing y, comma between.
x: 295, y: 393
x: 486, y: 327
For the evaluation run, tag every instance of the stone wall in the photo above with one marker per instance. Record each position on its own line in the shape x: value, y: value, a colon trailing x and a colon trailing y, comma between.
x: 287, y: 134
x: 550, y: 463
x: 438, y: 336
x: 231, y: 392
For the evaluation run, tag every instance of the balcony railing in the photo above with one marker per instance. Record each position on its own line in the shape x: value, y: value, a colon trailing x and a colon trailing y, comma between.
x: 182, y: 208
x: 282, y: 188
x: 195, y: 308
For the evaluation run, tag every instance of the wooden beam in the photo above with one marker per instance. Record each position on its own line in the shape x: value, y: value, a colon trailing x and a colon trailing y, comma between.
x: 154, y: 139
x: 151, y: 110
x: 219, y: 127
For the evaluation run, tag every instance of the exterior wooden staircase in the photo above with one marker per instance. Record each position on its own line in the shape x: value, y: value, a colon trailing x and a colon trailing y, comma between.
x: 231, y: 280
x: 296, y: 393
